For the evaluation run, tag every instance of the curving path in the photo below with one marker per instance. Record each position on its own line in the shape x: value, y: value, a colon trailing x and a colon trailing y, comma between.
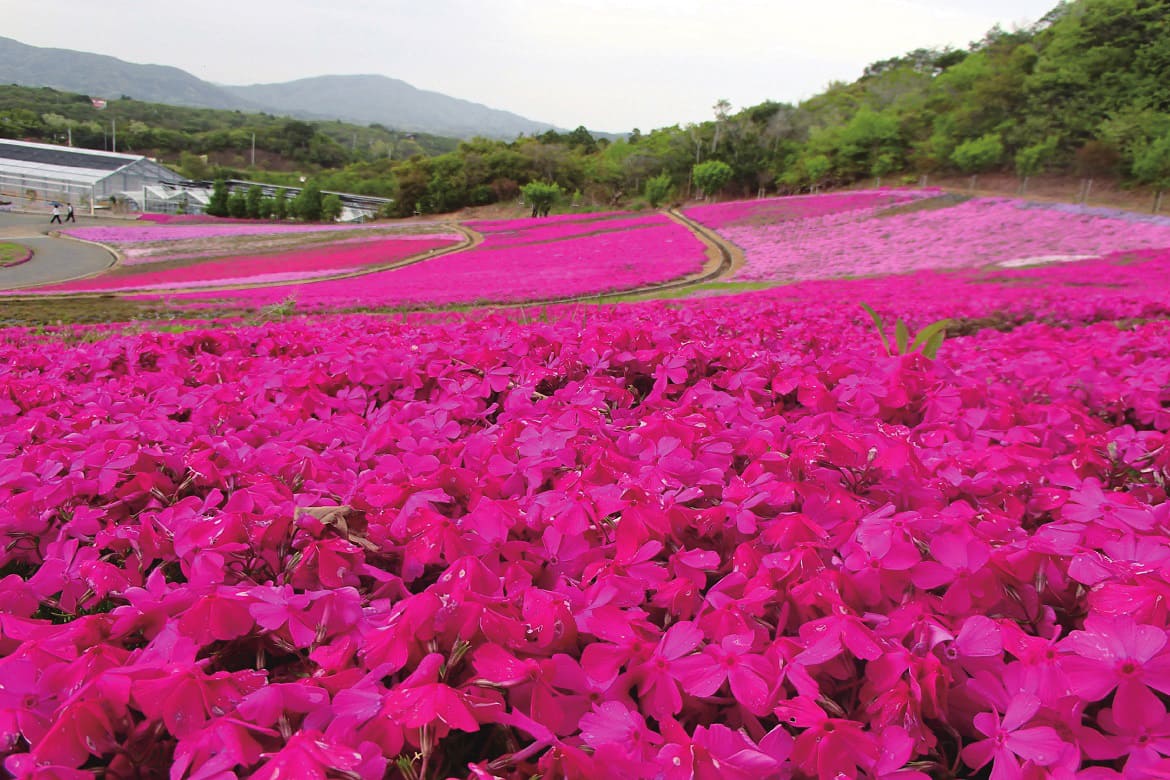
x: 58, y: 260
x: 54, y: 259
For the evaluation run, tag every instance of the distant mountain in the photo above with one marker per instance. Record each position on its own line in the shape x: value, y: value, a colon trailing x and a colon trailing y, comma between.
x: 390, y: 102
x: 363, y: 99
x: 100, y: 76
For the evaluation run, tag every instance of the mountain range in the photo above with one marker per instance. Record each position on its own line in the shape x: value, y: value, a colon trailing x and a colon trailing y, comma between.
x: 364, y: 99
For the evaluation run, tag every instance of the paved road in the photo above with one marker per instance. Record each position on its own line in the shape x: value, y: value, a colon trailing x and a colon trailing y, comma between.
x: 54, y: 259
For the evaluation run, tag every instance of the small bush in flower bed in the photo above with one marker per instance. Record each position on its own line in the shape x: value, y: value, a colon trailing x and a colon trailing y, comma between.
x: 977, y: 232
x: 505, y: 268
x: 728, y: 538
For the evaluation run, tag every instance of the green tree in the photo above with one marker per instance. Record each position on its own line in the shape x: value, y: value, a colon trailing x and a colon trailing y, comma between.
x: 978, y: 155
x: 658, y: 189
x: 252, y: 201
x: 1152, y: 167
x: 869, y: 137
x: 330, y: 208
x: 217, y: 205
x: 193, y: 166
x: 280, y: 205
x: 307, y: 205
x: 711, y: 176
x: 1031, y: 159
x: 238, y: 205
x: 542, y: 196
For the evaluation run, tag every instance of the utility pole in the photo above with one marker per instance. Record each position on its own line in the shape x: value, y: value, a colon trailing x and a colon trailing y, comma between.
x: 113, y: 135
x: 69, y: 130
x: 253, y: 150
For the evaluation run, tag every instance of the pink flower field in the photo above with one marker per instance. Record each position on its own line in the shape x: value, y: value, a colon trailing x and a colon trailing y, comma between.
x: 726, y: 538
x: 769, y: 211
x: 837, y: 241
x: 560, y: 261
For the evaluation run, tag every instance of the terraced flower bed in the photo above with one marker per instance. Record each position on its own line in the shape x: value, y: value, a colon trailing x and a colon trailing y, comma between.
x: 833, y: 241
x: 535, y: 261
x: 779, y: 211
x: 724, y: 538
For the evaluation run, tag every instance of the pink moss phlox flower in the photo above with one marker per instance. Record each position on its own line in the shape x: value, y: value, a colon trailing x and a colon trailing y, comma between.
x: 1119, y: 511
x: 184, y: 699
x: 219, y: 748
x: 422, y: 700
x: 1117, y: 653
x: 959, y: 565
x: 622, y: 737
x: 827, y: 748
x: 313, y: 757
x: 1008, y: 743
x: 748, y: 674
x: 828, y: 637
x: 1142, y: 735
x: 719, y: 752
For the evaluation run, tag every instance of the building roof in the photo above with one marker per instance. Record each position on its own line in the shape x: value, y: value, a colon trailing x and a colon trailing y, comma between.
x: 60, y: 162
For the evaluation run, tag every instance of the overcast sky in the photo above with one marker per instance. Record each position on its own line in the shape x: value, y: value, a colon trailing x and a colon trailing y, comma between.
x: 611, y: 65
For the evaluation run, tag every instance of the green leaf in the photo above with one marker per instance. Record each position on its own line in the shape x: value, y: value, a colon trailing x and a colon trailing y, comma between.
x: 928, y: 332
x: 877, y: 321
x: 933, y: 343
x: 901, y: 336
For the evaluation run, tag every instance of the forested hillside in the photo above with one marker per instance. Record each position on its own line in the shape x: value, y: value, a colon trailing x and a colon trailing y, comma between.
x: 1082, y: 92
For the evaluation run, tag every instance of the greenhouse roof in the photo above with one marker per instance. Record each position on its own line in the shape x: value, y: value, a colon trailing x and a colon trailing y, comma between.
x: 47, y: 161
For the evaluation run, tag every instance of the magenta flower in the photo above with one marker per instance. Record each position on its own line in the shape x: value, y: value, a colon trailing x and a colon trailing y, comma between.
x: 422, y: 700
x: 659, y: 675
x: 1117, y: 653
x: 1008, y: 743
x: 621, y: 736
x: 828, y: 637
x: 79, y: 731
x: 1141, y: 734
x: 747, y: 673
x: 1119, y: 511
x: 310, y: 756
x: 827, y: 748
x: 718, y: 752
x: 959, y: 565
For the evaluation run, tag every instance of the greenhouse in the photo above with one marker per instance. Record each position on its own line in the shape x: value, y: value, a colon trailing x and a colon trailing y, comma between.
x: 32, y: 173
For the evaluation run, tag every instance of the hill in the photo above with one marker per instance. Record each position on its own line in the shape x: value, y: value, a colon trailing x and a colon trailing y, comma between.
x: 389, y: 102
x: 101, y: 76
x: 365, y: 99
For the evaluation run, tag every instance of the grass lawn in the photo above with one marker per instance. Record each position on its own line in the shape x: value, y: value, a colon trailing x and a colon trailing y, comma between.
x: 13, y: 254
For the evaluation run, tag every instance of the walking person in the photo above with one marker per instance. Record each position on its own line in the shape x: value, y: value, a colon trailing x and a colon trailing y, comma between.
x: 56, y: 214
x: 69, y: 214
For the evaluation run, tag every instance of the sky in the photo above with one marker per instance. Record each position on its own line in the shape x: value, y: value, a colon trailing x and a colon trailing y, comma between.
x: 611, y: 65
